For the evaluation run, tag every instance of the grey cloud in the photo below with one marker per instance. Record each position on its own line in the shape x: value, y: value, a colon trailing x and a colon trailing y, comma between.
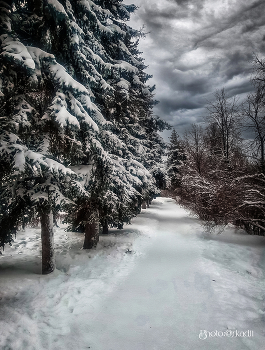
x: 178, y: 102
x: 226, y: 38
x: 155, y: 16
x: 181, y: 2
x: 240, y: 89
x: 185, y: 81
x: 235, y: 63
x: 248, y: 18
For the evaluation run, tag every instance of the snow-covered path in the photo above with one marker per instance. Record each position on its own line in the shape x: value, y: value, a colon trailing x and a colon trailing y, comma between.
x: 160, y: 284
x: 162, y: 303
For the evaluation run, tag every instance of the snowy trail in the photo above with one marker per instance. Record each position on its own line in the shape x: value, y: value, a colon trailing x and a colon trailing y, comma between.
x: 176, y: 282
x: 168, y: 297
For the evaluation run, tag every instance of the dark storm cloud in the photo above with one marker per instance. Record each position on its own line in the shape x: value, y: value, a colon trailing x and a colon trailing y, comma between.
x: 180, y: 101
x: 196, y: 47
x: 183, y: 81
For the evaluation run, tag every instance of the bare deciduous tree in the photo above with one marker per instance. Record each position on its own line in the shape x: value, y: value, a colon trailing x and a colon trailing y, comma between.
x: 224, y: 114
x: 194, y: 144
x: 254, y: 113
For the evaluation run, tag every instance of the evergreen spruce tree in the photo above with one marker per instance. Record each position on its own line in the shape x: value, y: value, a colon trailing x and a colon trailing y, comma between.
x: 76, y: 117
x: 176, y: 159
x: 127, y: 108
x: 46, y: 125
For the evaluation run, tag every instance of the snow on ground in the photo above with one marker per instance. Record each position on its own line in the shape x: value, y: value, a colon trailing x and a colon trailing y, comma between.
x: 162, y: 283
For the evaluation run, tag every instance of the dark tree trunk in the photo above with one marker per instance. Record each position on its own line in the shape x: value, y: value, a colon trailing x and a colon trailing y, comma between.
x: 262, y: 156
x: 91, y: 234
x: 120, y: 226
x: 105, y: 230
x: 55, y: 223
x: 48, y: 261
x: 144, y: 205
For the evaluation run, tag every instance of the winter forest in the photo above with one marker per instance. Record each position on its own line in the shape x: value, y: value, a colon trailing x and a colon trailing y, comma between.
x: 217, y: 173
x: 134, y: 232
x: 78, y: 134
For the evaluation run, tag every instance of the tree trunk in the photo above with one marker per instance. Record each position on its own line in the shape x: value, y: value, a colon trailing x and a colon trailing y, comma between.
x: 144, y: 205
x: 262, y: 156
x: 91, y: 233
x: 120, y: 226
x: 55, y: 221
x: 105, y: 230
x: 48, y: 261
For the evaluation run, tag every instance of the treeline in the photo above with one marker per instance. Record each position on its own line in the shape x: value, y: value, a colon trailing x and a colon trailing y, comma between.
x: 78, y: 133
x: 217, y: 173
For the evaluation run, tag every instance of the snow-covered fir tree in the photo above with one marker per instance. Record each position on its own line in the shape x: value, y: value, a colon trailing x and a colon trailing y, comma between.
x: 77, y: 129
x: 176, y: 159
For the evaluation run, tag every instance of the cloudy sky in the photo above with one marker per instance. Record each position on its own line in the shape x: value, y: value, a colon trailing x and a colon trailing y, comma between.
x: 195, y: 47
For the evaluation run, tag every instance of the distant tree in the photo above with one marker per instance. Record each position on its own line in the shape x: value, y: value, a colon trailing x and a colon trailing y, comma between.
x: 259, y: 70
x: 224, y: 117
x: 219, y: 182
x: 216, y: 163
x: 195, y: 148
x: 176, y: 159
x: 210, y: 185
x: 213, y: 139
x: 254, y: 113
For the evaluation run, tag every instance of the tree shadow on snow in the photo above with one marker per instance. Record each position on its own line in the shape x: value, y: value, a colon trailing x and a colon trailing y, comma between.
x: 20, y: 268
x: 121, y: 232
x: 234, y: 236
